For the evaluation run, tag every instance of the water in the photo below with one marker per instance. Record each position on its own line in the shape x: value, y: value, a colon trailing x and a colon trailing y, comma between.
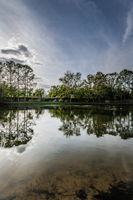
x: 66, y: 153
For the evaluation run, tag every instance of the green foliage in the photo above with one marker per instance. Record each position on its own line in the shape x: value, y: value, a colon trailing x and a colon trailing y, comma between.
x: 39, y: 92
x: 17, y: 80
x: 97, y: 87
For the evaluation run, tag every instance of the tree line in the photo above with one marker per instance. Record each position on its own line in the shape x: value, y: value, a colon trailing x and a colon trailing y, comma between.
x: 17, y: 80
x: 96, y: 87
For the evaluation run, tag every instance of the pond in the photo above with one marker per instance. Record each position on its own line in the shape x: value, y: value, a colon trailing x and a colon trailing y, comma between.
x: 66, y: 153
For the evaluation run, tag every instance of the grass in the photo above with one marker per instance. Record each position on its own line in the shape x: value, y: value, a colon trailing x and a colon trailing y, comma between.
x: 31, y: 103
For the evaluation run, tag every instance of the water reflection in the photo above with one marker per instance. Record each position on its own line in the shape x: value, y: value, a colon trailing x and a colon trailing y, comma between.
x: 17, y: 127
x: 98, y: 121
x: 53, y: 167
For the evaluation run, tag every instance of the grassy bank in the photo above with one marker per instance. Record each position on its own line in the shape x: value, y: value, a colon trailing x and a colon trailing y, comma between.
x: 33, y: 104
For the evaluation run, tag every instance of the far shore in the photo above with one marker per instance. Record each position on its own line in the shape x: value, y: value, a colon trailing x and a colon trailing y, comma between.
x: 32, y: 104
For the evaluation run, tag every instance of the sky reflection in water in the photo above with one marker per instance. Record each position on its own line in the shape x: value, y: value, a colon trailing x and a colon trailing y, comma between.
x: 66, y: 153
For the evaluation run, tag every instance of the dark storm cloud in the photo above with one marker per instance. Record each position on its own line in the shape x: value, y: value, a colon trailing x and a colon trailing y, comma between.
x: 20, y: 50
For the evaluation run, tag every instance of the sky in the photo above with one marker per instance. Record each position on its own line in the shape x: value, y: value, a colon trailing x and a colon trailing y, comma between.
x: 54, y: 36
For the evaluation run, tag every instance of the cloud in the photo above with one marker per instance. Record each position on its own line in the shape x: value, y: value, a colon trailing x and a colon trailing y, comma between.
x: 10, y: 51
x: 129, y: 25
x: 19, y: 53
x: 20, y: 50
x: 3, y: 59
x: 75, y: 36
x: 42, y: 82
x: 24, y: 50
x: 38, y: 63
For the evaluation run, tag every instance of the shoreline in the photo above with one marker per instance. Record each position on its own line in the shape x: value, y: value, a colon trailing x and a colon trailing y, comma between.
x: 41, y: 104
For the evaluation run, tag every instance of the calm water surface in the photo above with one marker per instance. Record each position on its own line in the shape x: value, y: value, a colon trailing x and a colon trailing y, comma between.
x: 66, y: 153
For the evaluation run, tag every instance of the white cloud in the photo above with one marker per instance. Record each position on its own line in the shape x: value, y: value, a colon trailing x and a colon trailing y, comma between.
x: 42, y: 82
x: 129, y: 25
x: 18, y: 53
x: 20, y: 25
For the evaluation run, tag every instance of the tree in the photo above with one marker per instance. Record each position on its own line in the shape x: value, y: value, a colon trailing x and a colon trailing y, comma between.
x: 99, y: 79
x: 111, y: 79
x: 89, y: 81
x: 97, y: 87
x: 70, y: 83
x: 39, y: 92
x: 28, y: 77
x: 71, y: 80
x: 125, y: 80
x: 10, y: 75
x: 16, y: 79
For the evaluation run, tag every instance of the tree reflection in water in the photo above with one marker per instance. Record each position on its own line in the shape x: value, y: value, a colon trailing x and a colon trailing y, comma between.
x: 17, y: 127
x: 95, y: 120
